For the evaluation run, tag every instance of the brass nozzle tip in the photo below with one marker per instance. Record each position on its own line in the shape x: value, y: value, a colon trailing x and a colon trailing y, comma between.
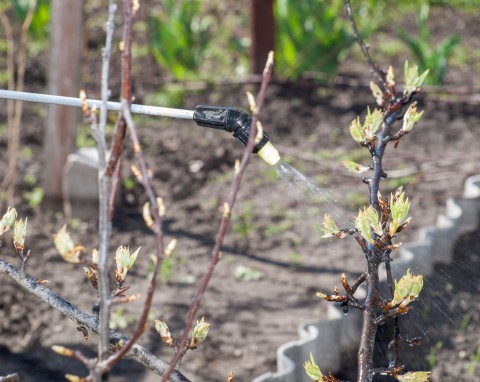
x: 269, y: 154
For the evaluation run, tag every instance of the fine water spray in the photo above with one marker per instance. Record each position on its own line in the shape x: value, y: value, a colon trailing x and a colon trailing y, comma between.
x: 229, y: 119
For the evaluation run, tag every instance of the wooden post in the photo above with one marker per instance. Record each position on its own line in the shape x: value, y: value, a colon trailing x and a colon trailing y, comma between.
x: 66, y: 39
x: 262, y: 32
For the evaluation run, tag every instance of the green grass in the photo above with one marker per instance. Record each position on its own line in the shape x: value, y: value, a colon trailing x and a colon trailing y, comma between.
x: 475, y: 359
x: 432, y: 354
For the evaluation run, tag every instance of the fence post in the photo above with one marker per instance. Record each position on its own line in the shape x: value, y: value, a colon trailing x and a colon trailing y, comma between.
x: 262, y: 32
x: 66, y: 40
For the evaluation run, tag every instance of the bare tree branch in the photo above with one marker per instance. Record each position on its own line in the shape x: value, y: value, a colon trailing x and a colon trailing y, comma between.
x: 215, y: 256
x: 116, y: 357
x: 137, y: 353
x: 104, y: 184
x: 373, y: 67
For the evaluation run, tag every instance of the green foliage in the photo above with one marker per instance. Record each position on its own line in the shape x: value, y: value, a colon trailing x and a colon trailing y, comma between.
x: 180, y: 37
x: 245, y: 273
x: 243, y: 221
x: 35, y: 196
x: 472, y: 367
x: 429, y: 56
x: 120, y: 320
x: 311, y: 36
x: 432, y: 354
x: 41, y: 17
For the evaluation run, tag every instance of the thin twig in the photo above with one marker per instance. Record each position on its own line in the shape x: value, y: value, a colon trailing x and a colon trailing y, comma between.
x: 116, y: 357
x: 120, y: 128
x: 373, y: 67
x: 14, y: 109
x: 80, y: 318
x: 216, y: 252
x: 104, y: 183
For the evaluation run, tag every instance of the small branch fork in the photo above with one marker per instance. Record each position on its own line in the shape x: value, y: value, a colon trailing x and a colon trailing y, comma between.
x: 83, y: 320
x: 393, y: 105
x: 216, y: 252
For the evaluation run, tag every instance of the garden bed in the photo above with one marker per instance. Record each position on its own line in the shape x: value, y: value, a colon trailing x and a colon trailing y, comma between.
x: 256, y: 309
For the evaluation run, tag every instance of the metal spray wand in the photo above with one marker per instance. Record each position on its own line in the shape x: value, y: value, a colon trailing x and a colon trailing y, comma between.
x: 233, y: 120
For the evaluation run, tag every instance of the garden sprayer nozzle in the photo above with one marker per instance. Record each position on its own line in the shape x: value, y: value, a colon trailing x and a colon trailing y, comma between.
x: 238, y: 123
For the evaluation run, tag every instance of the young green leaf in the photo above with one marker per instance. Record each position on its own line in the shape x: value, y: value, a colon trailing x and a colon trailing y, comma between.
x: 407, y: 289
x: 357, y: 130
x: 65, y: 246
x: 164, y: 331
x: 330, y: 228
x: 312, y: 369
x: 63, y: 242
x: 414, y: 376
x: 354, y: 167
x: 19, y: 234
x: 412, y: 79
x: 399, y: 207
x: 366, y: 221
x: 390, y: 77
x: 377, y: 93
x: 8, y: 220
x: 124, y: 261
x: 372, y: 122
x: 411, y: 117
x: 200, y: 332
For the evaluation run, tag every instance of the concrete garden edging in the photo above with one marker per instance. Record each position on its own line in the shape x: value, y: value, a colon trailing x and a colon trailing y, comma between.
x: 328, y: 339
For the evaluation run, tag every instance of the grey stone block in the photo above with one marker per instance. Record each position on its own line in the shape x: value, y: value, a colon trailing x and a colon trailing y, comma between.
x: 80, y: 184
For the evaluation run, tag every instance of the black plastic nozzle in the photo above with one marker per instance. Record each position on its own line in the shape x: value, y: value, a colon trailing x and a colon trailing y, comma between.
x: 233, y: 120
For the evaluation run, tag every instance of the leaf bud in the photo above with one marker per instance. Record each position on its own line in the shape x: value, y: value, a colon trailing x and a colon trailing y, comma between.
x: 407, y: 289
x: 19, y: 234
x: 8, y: 220
x: 312, y: 369
x: 164, y: 331
x: 124, y: 261
x: 414, y: 376
x: 200, y: 332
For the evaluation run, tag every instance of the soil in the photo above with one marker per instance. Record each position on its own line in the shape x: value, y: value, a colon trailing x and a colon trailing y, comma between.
x: 273, y: 232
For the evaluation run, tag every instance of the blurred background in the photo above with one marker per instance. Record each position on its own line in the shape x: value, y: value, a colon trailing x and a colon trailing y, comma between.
x: 194, y: 52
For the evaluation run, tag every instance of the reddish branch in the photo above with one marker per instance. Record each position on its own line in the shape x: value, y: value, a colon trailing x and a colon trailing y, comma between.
x: 83, y: 320
x: 120, y: 127
x: 142, y: 322
x: 376, y: 71
x: 216, y: 252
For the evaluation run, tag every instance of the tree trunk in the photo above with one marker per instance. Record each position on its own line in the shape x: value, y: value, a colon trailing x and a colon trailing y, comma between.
x: 66, y: 37
x: 262, y: 33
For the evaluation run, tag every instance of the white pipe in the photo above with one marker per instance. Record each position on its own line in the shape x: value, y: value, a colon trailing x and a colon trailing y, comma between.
x: 77, y: 102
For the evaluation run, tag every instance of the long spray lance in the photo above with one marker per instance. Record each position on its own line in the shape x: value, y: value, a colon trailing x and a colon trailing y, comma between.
x: 232, y: 120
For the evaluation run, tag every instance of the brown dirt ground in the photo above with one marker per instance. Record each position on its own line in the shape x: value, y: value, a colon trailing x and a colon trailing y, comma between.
x: 269, y: 233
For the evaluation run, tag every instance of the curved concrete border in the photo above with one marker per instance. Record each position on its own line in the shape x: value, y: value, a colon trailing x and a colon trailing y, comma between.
x: 328, y: 339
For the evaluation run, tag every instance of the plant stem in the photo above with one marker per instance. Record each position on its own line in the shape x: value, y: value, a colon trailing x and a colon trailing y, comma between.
x: 104, y: 184
x: 216, y: 252
x: 138, y: 353
x: 373, y: 67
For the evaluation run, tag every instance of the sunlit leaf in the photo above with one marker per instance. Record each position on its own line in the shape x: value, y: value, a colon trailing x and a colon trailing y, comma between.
x: 366, y: 221
x: 357, y: 130
x: 354, y: 167
x: 8, y: 220
x: 411, y: 117
x: 312, y: 369
x: 390, y: 77
x: 373, y: 121
x: 399, y: 207
x: 407, y: 289
x: 414, y: 376
x: 377, y: 93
